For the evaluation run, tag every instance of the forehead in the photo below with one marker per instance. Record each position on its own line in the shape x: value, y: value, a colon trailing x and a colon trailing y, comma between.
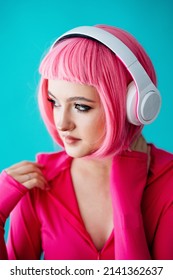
x: 61, y: 88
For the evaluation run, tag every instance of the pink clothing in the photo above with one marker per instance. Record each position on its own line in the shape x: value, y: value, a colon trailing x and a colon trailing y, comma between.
x: 50, y: 221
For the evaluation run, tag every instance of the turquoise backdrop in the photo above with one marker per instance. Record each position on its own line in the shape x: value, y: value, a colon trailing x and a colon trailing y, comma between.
x: 27, y: 28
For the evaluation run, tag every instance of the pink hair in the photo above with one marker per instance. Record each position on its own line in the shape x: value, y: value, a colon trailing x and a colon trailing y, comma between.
x: 87, y: 61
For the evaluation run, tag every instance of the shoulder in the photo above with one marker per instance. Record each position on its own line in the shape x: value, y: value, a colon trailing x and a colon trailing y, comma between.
x: 160, y: 177
x: 158, y: 194
x: 161, y: 163
x: 53, y: 163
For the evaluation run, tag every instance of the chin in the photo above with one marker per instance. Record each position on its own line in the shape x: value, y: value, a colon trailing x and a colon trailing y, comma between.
x: 74, y: 153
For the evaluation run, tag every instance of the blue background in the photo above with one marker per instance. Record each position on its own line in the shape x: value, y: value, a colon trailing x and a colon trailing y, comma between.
x: 27, y: 28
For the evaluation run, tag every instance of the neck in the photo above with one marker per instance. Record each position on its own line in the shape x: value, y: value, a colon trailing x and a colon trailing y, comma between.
x: 97, y: 167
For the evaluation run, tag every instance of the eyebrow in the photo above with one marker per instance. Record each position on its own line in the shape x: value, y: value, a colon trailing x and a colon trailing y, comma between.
x: 75, y: 98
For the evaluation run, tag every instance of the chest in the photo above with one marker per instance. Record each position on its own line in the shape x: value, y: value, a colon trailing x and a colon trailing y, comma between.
x: 64, y: 232
x: 95, y: 207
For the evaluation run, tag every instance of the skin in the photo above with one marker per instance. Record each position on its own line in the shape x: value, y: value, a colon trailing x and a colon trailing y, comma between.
x: 29, y: 174
x: 78, y: 113
x: 79, y: 120
x: 74, y: 117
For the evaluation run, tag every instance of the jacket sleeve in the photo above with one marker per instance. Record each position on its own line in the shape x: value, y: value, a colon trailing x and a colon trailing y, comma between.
x: 128, y: 180
x: 162, y: 248
x: 23, y: 234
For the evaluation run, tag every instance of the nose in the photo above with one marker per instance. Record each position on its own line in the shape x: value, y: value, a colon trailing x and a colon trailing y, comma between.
x: 64, y: 122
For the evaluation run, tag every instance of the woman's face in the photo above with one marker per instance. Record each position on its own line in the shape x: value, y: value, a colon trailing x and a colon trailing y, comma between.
x: 78, y: 116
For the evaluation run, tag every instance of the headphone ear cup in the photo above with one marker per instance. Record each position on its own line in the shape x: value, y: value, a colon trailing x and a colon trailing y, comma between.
x: 131, y: 104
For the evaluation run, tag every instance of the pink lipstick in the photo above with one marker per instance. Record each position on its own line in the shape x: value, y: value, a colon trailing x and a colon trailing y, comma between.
x: 71, y: 140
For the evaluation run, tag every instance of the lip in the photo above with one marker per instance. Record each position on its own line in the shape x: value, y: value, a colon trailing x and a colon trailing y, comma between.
x: 70, y: 139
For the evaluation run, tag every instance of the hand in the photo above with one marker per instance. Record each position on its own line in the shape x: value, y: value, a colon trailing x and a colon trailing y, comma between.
x: 29, y: 174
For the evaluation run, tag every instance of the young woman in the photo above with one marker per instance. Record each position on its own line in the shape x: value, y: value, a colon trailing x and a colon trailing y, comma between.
x: 108, y: 194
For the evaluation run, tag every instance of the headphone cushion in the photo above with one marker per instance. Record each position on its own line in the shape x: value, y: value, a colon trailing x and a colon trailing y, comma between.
x: 131, y: 104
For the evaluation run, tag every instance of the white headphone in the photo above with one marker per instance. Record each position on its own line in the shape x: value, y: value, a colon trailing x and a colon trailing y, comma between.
x: 143, y: 98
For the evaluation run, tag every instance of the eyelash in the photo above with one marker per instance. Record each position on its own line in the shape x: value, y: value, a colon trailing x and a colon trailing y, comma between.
x: 53, y: 102
x: 81, y: 108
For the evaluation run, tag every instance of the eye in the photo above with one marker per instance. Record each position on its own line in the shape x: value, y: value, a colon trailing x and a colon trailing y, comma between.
x: 54, y: 103
x: 82, y: 107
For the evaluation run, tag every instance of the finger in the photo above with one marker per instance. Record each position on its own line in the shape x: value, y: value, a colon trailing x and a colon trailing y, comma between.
x: 22, y: 178
x: 34, y: 182
x: 27, y: 169
x: 22, y: 170
x: 23, y: 164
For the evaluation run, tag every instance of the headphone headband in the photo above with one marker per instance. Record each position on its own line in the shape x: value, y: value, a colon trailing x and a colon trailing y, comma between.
x: 146, y: 90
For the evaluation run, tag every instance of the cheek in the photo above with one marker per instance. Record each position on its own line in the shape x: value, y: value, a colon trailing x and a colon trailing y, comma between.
x: 100, y: 121
x: 96, y: 127
x: 100, y: 129
x: 56, y: 116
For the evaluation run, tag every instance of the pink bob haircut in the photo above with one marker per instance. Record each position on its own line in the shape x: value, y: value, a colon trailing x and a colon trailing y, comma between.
x: 86, y: 61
